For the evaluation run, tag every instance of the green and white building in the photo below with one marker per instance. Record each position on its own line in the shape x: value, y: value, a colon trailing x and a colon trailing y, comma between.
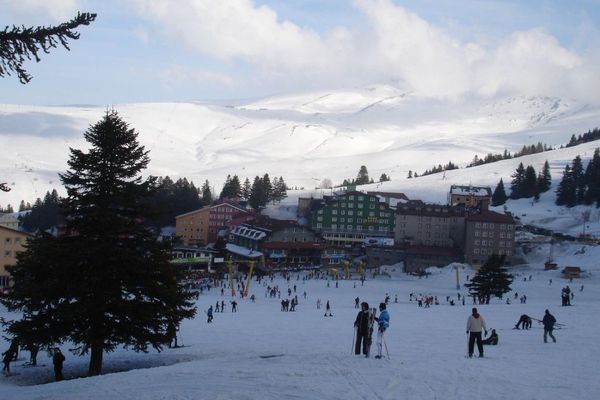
x: 352, y: 218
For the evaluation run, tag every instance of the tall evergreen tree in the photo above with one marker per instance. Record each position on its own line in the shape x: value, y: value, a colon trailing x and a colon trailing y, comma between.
x: 226, y: 191
x: 499, y: 196
x: 246, y: 189
x: 516, y: 185
x: 566, y: 191
x: 592, y: 179
x: 207, y: 197
x: 257, y: 196
x: 384, y: 178
x: 363, y: 176
x: 545, y: 179
x: 529, y: 186
x: 267, y: 190
x: 235, y: 187
x: 108, y: 282
x: 492, y: 279
x: 579, y: 179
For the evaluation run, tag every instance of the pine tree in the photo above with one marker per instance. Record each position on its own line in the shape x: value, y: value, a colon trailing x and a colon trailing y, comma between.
x: 235, y: 187
x: 545, y: 179
x: 19, y: 44
x: 499, y: 196
x: 226, y: 191
x: 207, y: 197
x: 566, y: 191
x: 492, y: 279
x: 592, y: 179
x: 267, y: 190
x: 529, y: 186
x: 384, y: 178
x: 363, y: 176
x: 579, y: 180
x: 257, y: 194
x: 108, y: 282
x: 516, y: 185
x: 246, y: 189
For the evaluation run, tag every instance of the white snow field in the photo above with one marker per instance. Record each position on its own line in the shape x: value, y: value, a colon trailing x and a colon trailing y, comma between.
x: 312, y: 355
x: 304, y: 137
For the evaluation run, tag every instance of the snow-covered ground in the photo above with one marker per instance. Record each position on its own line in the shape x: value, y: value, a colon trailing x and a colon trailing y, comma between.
x: 312, y: 354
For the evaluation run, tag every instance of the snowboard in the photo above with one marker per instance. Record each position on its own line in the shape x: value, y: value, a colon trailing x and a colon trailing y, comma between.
x: 372, y: 312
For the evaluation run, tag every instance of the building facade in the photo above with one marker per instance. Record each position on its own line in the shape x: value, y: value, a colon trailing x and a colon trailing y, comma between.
x: 12, y: 242
x: 470, y: 196
x: 352, y: 217
x: 200, y: 227
x: 420, y: 224
x: 489, y: 233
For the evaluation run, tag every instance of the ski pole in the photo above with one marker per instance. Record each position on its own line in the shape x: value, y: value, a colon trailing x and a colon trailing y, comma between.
x: 353, y: 340
x: 385, y: 344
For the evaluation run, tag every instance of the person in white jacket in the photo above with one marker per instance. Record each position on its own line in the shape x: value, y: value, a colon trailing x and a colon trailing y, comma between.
x: 475, y: 324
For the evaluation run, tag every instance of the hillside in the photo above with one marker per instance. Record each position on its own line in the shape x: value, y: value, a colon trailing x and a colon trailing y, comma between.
x: 305, y: 138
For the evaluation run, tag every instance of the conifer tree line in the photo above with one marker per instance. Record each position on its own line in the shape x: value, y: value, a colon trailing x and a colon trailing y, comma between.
x: 526, y: 183
x: 363, y: 178
x: 259, y: 193
x: 579, y: 185
x: 589, y: 136
x: 439, y: 168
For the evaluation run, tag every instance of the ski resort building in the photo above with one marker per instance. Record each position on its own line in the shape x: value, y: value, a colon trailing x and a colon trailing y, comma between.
x: 470, y: 196
x: 488, y: 233
x: 284, y: 243
x: 12, y: 242
x: 348, y: 219
x: 200, y: 227
x: 419, y: 224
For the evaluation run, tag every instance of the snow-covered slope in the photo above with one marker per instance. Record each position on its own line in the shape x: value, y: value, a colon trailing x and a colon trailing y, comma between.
x: 304, y: 137
x: 263, y: 353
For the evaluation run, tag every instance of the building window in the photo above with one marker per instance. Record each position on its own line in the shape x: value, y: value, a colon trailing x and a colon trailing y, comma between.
x: 372, y: 206
x: 343, y: 212
x: 350, y: 212
x: 319, y: 218
x: 477, y: 243
x: 371, y: 213
x: 359, y: 227
x: 361, y: 198
x: 359, y: 213
x: 475, y: 251
x: 477, y: 233
x: 333, y: 219
x: 333, y: 226
x: 371, y: 227
x: 334, y: 212
x: 349, y: 219
x: 477, y: 225
x: 349, y: 227
x: 342, y: 219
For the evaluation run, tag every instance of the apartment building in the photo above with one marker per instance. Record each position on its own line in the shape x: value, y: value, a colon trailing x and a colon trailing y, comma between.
x: 200, y: 227
x: 420, y: 224
x: 12, y: 242
x: 470, y: 196
x: 488, y: 233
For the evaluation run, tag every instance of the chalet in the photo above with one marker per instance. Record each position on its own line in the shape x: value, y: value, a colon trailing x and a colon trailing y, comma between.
x: 470, y: 196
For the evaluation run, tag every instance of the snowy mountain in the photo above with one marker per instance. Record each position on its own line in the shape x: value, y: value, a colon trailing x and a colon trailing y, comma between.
x: 304, y: 137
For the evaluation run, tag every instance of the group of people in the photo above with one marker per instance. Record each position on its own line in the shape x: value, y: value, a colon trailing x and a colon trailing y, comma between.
x: 364, y: 329
x: 11, y: 355
x: 476, y: 325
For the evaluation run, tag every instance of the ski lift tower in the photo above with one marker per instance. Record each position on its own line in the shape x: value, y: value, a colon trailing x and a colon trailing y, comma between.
x: 456, y: 267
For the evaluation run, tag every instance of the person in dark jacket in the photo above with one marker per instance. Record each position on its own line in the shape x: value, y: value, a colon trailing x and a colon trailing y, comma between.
x: 548, y: 322
x: 524, y: 322
x: 362, y: 330
x: 58, y: 360
x: 492, y: 339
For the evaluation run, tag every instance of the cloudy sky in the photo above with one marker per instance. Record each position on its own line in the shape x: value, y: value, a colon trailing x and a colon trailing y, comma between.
x: 178, y: 50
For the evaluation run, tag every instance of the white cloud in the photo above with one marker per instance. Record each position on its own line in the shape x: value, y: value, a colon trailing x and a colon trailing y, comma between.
x: 396, y: 44
x: 56, y: 10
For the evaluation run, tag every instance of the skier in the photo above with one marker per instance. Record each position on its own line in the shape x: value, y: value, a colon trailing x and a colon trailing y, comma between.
x: 524, y: 322
x: 362, y: 329
x: 548, y: 322
x: 209, y: 314
x: 318, y: 304
x: 58, y: 360
x: 395, y: 298
x: 475, y: 323
x: 356, y: 301
x: 233, y: 306
x: 328, y: 310
x: 492, y: 339
x: 384, y: 322
x: 33, y: 352
x: 222, y: 306
x: 217, y: 307
x: 172, y: 334
x: 6, y: 359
